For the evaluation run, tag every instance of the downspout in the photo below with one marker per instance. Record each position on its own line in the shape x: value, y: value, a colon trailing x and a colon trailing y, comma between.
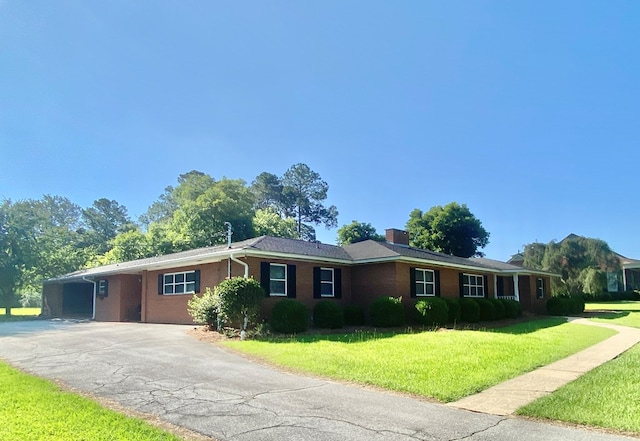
x: 243, y: 332
x: 93, y: 315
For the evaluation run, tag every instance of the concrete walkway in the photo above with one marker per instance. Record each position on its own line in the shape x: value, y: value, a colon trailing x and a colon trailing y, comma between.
x: 507, y: 397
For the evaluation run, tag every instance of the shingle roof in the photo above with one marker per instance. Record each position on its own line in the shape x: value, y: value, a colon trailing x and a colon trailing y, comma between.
x: 360, y: 252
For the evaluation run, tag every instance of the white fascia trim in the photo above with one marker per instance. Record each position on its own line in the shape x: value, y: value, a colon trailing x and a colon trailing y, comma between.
x: 435, y: 263
x: 284, y: 256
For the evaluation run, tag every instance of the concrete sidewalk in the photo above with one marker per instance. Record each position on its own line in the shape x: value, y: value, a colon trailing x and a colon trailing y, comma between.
x: 507, y: 397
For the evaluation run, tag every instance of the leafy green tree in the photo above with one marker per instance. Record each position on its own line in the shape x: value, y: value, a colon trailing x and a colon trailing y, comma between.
x: 267, y: 189
x: 357, y: 232
x: 130, y: 245
x: 451, y: 229
x: 582, y: 262
x: 304, y: 192
x: 105, y: 219
x: 267, y: 222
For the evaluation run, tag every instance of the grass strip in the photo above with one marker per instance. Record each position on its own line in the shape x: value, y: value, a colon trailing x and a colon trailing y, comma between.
x: 623, y: 312
x: 605, y: 397
x: 445, y: 365
x: 35, y: 409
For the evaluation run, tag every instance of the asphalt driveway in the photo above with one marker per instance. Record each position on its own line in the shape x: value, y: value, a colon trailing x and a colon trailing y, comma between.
x: 160, y: 370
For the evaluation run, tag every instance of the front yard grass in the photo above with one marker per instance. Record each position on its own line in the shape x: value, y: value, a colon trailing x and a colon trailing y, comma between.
x: 623, y: 312
x: 19, y: 314
x: 36, y: 409
x: 445, y: 365
x: 605, y: 397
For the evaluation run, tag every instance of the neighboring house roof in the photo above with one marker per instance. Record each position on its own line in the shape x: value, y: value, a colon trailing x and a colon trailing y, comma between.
x: 368, y: 251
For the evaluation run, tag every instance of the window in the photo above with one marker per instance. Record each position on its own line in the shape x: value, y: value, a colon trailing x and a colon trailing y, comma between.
x: 278, y: 279
x: 102, y: 287
x: 326, y: 282
x: 472, y: 285
x: 425, y: 282
x: 179, y: 283
x: 540, y: 288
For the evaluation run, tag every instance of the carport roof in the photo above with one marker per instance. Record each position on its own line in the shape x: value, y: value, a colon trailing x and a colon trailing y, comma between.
x: 275, y: 247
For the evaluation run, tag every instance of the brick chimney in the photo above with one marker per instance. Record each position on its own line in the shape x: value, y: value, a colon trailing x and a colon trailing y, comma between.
x: 397, y: 237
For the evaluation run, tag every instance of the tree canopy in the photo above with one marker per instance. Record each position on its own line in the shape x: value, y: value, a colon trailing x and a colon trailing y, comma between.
x: 357, y: 232
x: 583, y: 263
x: 451, y: 229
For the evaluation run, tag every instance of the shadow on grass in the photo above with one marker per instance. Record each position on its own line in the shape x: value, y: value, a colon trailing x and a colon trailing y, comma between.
x: 363, y: 335
x: 607, y: 315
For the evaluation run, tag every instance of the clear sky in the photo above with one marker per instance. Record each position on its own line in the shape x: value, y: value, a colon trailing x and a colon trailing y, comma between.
x: 526, y: 111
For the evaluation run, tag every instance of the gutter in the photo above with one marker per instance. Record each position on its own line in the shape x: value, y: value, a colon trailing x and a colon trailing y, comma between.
x: 245, y: 264
x: 93, y: 315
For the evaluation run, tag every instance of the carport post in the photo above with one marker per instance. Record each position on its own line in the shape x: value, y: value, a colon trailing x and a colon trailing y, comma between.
x: 93, y: 314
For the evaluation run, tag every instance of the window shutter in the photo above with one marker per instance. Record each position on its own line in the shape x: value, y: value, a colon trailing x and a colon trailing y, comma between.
x: 461, y: 282
x: 265, y: 277
x: 486, y: 286
x: 317, y: 284
x: 160, y: 284
x: 436, y: 276
x: 197, y: 277
x: 337, y: 289
x: 291, y: 281
x: 106, y: 288
x: 412, y: 281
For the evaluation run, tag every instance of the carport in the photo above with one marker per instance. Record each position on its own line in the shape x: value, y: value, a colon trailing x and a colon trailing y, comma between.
x: 74, y: 299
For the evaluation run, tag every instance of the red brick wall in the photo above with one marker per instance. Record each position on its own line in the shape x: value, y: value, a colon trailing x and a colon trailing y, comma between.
x: 52, y: 297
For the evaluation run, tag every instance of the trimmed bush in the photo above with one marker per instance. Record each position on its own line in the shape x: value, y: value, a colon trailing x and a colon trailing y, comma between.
x: 354, y: 315
x: 512, y: 308
x: 432, y: 311
x: 204, y: 309
x: 487, y: 310
x: 501, y: 313
x: 289, y: 316
x: 454, y: 309
x: 238, y: 300
x: 328, y: 314
x: 469, y: 310
x: 386, y: 312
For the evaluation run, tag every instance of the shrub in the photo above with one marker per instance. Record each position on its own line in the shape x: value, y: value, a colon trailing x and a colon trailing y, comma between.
x: 289, y: 316
x: 328, y: 314
x: 469, y: 310
x: 576, y: 305
x: 203, y: 308
x: 487, y: 310
x: 454, y: 309
x: 386, y: 312
x: 560, y: 305
x: 31, y: 300
x: 512, y: 308
x: 354, y: 315
x: 501, y: 313
x: 238, y: 299
x: 432, y: 311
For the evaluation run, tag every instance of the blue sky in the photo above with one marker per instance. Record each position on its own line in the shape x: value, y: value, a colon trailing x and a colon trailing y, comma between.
x: 526, y: 111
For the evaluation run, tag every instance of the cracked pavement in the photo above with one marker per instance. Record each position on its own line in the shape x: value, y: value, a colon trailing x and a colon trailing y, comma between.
x: 160, y: 370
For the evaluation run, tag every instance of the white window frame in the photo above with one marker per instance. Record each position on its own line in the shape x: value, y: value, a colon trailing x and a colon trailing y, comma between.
x: 471, y: 286
x: 424, y: 282
x: 540, y: 288
x: 272, y: 279
x: 184, y: 283
x: 101, y: 287
x: 332, y: 283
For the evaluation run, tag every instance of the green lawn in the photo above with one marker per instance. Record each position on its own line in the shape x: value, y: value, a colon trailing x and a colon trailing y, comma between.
x: 624, y: 312
x: 36, y: 409
x: 605, y: 397
x: 446, y: 365
x: 19, y: 314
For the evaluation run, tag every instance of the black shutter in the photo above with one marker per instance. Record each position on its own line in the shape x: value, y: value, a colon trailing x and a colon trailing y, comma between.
x: 160, y: 284
x: 337, y: 289
x: 486, y: 286
x: 197, y: 277
x: 317, y: 283
x: 436, y: 276
x: 412, y: 281
x: 291, y: 281
x: 265, y: 277
x: 461, y: 279
x: 106, y: 288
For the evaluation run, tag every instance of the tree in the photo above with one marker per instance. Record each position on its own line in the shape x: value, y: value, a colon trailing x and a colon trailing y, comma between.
x: 303, y: 193
x: 267, y: 222
x: 105, y: 219
x: 357, y: 232
x: 451, y: 229
x: 267, y: 190
x: 582, y: 262
x: 130, y: 245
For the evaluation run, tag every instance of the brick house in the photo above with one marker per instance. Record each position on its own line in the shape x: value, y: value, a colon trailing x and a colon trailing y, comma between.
x: 156, y: 289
